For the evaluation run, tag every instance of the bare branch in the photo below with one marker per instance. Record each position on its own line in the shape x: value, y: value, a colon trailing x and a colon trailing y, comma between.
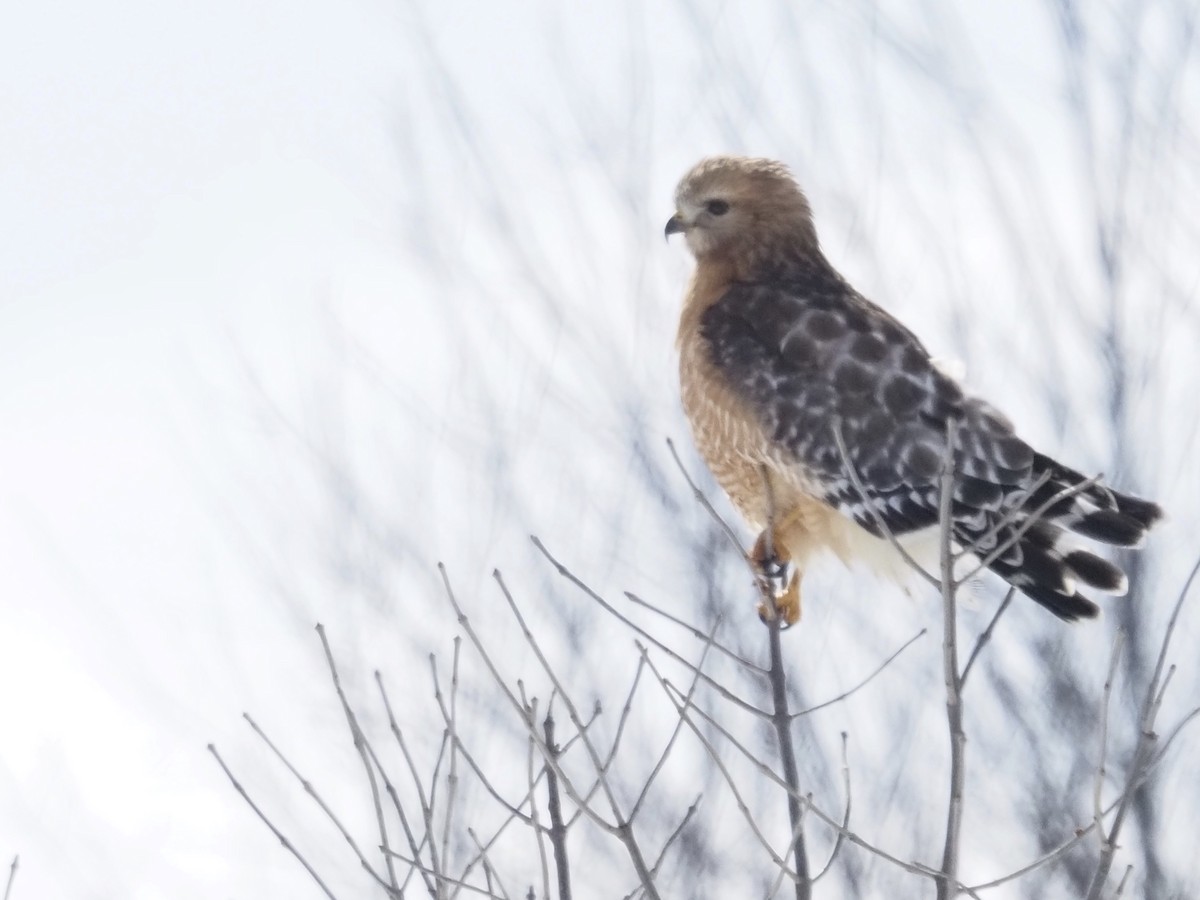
x: 1121, y: 884
x: 1143, y: 753
x: 442, y: 878
x: 986, y: 636
x: 700, y: 496
x: 687, y: 817
x: 742, y: 806
x: 452, y: 730
x: 539, y: 830
x: 609, y: 608
x: 662, y: 757
x: 915, y: 868
x: 696, y: 633
x: 12, y: 876
x: 288, y: 845
x: 781, y: 720
x: 558, y: 831
x: 954, y: 713
x: 489, y: 871
x: 329, y: 813
x: 623, y: 829
x: 1101, y: 770
x: 360, y: 740
x: 426, y: 810
x: 837, y: 843
x: 862, y: 684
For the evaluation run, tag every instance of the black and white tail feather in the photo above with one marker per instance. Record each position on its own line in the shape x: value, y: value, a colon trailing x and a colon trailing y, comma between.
x: 1042, y: 556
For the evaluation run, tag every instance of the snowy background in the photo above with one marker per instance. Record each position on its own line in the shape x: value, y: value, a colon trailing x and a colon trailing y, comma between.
x: 297, y: 300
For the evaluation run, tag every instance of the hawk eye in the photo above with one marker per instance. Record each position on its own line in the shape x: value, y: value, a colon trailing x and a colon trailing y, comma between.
x: 717, y: 207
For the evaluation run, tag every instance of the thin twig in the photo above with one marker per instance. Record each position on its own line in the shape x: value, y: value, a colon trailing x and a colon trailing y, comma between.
x: 623, y: 827
x: 862, y: 684
x: 876, y: 518
x: 986, y: 636
x: 611, y: 610
x: 954, y: 713
x: 837, y: 842
x: 622, y: 721
x: 12, y: 875
x: 489, y: 871
x: 678, y: 729
x: 399, y: 806
x: 1101, y: 768
x: 696, y: 633
x: 915, y: 868
x: 700, y: 496
x: 470, y: 760
x: 1165, y: 745
x: 359, y: 740
x: 1057, y: 853
x: 441, y: 877
x: 742, y: 806
x: 1014, y: 512
x: 521, y: 709
x: 1143, y: 753
x: 288, y: 845
x: 426, y: 811
x: 1027, y: 523
x: 1124, y: 878
x: 687, y: 817
x: 320, y: 801
x: 452, y: 729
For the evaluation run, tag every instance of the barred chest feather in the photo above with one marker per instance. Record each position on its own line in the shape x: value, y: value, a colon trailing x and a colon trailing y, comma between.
x: 738, y: 452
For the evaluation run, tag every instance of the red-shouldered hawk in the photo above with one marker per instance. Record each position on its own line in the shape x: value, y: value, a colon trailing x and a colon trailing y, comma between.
x: 777, y: 350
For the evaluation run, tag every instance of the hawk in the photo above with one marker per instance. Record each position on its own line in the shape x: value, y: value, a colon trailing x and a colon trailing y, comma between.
x: 826, y: 421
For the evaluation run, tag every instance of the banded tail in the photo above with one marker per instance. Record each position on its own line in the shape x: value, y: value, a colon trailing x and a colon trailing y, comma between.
x: 1044, y: 563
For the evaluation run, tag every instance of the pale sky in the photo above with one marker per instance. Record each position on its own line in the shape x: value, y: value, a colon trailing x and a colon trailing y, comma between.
x: 205, y: 212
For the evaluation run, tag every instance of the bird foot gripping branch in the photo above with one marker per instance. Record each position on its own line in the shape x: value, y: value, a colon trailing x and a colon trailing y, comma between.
x: 777, y: 579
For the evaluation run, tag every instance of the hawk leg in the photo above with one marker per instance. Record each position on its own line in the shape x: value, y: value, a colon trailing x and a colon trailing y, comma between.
x: 771, y: 559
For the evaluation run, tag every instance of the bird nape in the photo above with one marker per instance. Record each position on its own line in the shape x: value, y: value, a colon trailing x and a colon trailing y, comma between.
x: 825, y: 420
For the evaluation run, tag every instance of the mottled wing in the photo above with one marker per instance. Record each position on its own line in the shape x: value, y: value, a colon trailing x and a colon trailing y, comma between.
x: 807, y: 353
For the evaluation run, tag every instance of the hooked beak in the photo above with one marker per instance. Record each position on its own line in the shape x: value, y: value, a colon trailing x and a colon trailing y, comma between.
x: 675, y: 225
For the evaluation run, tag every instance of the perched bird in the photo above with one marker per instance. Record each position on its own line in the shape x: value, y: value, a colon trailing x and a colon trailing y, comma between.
x: 791, y: 378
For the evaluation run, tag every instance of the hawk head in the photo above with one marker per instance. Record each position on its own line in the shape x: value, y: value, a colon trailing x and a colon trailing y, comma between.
x: 742, y: 209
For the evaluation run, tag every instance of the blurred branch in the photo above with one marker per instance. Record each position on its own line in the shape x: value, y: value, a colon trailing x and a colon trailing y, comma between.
x: 12, y: 876
x: 1143, y: 753
x: 279, y: 835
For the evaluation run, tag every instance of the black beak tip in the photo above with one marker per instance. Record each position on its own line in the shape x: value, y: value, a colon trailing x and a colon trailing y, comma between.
x: 674, y: 226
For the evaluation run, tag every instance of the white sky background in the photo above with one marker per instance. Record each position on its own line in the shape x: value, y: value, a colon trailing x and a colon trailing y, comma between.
x: 206, y: 214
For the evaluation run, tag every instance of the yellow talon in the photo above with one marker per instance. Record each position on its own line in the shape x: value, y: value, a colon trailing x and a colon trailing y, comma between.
x: 787, y: 605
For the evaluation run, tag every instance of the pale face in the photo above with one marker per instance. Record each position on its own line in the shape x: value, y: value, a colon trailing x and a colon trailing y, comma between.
x: 724, y: 201
x: 707, y: 219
